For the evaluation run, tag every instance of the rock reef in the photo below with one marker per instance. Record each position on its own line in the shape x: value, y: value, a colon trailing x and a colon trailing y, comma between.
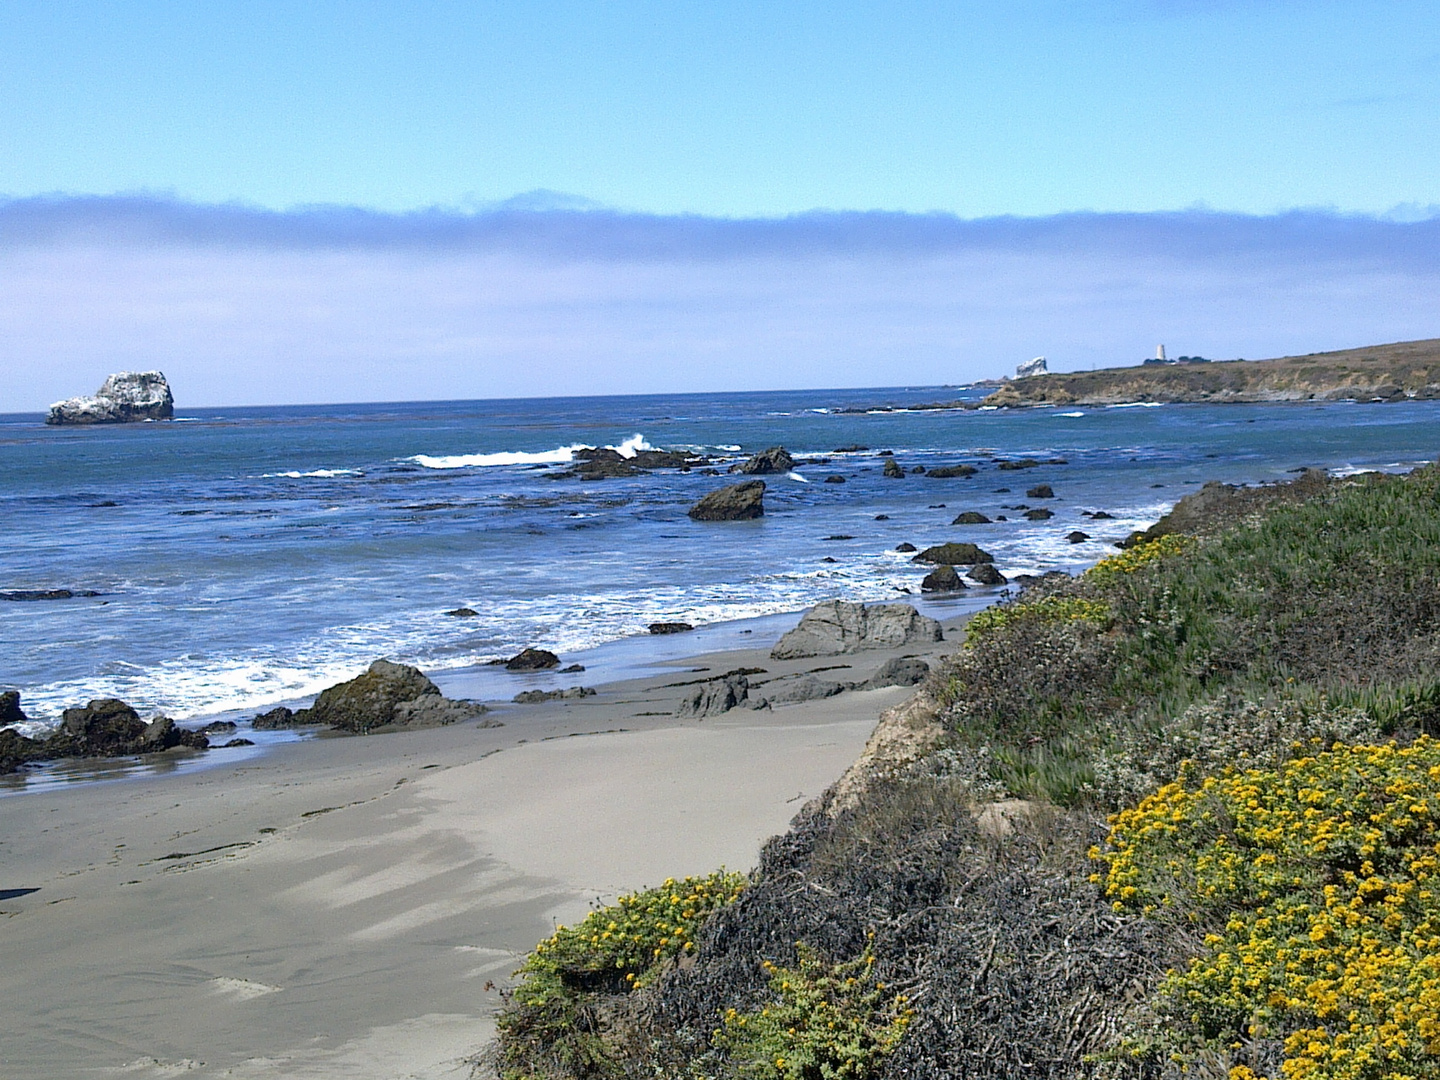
x: 125, y: 398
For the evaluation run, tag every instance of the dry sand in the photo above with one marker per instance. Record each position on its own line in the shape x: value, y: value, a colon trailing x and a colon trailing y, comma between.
x: 345, y: 907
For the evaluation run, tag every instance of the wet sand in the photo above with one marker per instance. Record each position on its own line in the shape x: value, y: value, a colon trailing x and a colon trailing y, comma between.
x: 346, y: 907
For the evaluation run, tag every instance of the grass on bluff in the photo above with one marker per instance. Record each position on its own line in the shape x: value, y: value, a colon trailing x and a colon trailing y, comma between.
x: 1270, y: 913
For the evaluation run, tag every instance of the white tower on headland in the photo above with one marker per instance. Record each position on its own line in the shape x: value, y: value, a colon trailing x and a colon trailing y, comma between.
x: 1160, y: 353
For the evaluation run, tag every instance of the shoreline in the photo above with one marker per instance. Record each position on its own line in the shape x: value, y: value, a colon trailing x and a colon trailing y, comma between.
x: 348, y: 907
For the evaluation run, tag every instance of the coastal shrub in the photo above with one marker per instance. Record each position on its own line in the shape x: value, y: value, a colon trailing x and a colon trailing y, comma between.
x: 823, y: 1021
x: 553, y: 1022
x: 1047, y: 610
x: 1112, y: 569
x: 1315, y: 884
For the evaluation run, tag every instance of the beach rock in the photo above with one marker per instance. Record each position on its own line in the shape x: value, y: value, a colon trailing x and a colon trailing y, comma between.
x: 837, y: 626
x: 434, y: 710
x: 105, y: 726
x: 893, y: 470
x: 1101, y: 515
x: 162, y: 733
x: 905, y: 547
x: 236, y: 742
x: 950, y: 472
x: 572, y: 669
x: 971, y: 517
x: 529, y: 659
x: 738, y: 502
x: 1077, y: 537
x: 774, y: 460
x: 218, y: 727
x: 801, y: 689
x: 885, y: 453
x: 836, y: 479
x: 897, y: 671
x: 10, y: 712
x: 714, y: 696
x: 854, y: 448
x: 600, y: 464
x: 535, y: 697
x: 29, y: 595
x: 462, y: 613
x: 1023, y: 463
x: 670, y: 628
x: 666, y: 459
x: 371, y: 700
x: 986, y: 574
x: 281, y: 717
x: 1040, y: 491
x: 942, y: 579
x: 954, y: 555
x: 1039, y: 514
x: 125, y: 397
x: 17, y: 750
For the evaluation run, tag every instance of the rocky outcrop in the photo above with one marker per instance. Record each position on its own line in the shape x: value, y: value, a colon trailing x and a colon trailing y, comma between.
x: 714, y: 696
x: 953, y: 555
x: 738, y: 502
x: 1038, y: 366
x: 942, y: 579
x: 529, y: 659
x: 10, y: 711
x: 950, y: 472
x: 838, y: 626
x: 1077, y: 537
x: 774, y: 460
x: 281, y: 717
x: 794, y: 691
x: 971, y: 517
x: 26, y: 595
x: 1039, y: 514
x: 670, y: 628
x: 108, y: 727
x: 892, y: 470
x: 124, y: 398
x: 386, y: 696
x: 1040, y: 491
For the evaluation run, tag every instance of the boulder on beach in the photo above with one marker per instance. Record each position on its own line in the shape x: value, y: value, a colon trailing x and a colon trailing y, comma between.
x: 386, y: 695
x: 942, y: 579
x: 971, y: 517
x: 125, y: 397
x: 893, y: 470
x: 897, y: 671
x: 281, y: 717
x: 17, y: 750
x: 986, y: 574
x: 738, y: 502
x: 670, y: 628
x: 535, y: 697
x: 838, y: 626
x: 529, y: 659
x: 108, y: 727
x: 794, y: 691
x: 714, y: 696
x: 774, y: 460
x: 951, y: 472
x: 954, y: 554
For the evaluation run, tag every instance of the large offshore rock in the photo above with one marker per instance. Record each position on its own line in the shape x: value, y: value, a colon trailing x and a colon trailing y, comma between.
x: 738, y: 502
x: 838, y: 626
x: 954, y: 554
x: 124, y: 398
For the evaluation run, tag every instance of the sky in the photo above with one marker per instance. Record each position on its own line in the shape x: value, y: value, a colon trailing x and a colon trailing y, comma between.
x: 364, y: 201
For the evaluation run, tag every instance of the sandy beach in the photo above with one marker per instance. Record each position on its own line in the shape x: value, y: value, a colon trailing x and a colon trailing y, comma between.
x: 348, y: 907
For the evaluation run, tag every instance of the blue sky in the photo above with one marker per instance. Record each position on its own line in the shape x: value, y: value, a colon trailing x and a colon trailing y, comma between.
x: 358, y: 201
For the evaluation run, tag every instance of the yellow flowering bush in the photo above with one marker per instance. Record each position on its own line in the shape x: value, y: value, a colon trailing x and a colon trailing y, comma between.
x: 1316, y: 881
x: 1048, y: 610
x: 1132, y: 559
x: 825, y: 1022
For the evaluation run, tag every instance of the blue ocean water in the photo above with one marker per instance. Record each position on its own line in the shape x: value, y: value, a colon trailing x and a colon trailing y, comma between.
x: 249, y: 557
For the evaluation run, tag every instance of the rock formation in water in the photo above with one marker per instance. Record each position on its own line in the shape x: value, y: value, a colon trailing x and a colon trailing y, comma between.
x: 125, y: 397
x: 738, y: 502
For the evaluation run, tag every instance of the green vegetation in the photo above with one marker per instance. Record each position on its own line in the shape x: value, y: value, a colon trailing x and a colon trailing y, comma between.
x: 1250, y: 689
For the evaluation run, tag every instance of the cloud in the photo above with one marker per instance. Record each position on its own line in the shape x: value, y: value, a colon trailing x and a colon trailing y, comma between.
x: 549, y: 295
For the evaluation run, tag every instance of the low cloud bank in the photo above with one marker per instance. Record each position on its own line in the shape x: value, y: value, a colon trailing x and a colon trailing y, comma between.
x: 246, y: 306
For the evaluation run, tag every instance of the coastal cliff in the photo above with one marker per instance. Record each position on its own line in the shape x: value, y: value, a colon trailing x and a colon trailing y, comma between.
x: 1396, y: 372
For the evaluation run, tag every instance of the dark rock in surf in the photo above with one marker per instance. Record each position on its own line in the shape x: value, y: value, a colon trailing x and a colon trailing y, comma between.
x: 462, y: 613
x: 942, y: 579
x: 738, y: 502
x: 906, y: 547
x: 1040, y: 514
x: 1040, y: 491
x: 986, y: 574
x: 530, y: 659
x: 281, y: 717
x: 10, y: 711
x: 954, y: 555
x: 835, y: 479
x: 774, y: 460
x: 1077, y: 537
x: 951, y: 472
x: 670, y: 628
x: 892, y: 470
x: 971, y: 517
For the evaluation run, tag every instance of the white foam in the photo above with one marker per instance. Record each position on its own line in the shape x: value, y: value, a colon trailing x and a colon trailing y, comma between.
x: 1069, y: 414
x: 796, y: 476
x: 1137, y: 405
x: 561, y: 455
x: 323, y: 474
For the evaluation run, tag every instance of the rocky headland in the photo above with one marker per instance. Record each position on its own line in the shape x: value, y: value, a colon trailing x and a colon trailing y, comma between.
x: 125, y: 398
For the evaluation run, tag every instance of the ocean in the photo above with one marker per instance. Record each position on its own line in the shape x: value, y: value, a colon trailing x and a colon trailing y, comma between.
x: 248, y: 557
